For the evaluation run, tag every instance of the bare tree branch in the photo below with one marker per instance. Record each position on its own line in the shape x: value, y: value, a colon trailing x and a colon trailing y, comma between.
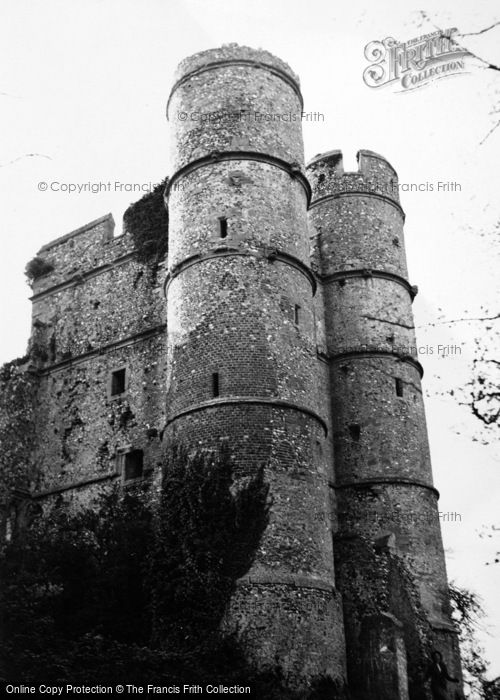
x: 495, y: 126
x: 26, y: 155
x: 460, y: 320
x: 486, y: 64
x: 482, y: 31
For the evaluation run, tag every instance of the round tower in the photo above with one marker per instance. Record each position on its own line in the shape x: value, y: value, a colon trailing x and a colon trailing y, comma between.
x: 383, y: 480
x: 241, y: 337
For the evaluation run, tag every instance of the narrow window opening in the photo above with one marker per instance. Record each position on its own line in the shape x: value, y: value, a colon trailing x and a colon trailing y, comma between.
x: 223, y: 227
x: 355, y: 432
x: 399, y: 387
x: 296, y: 314
x: 9, y: 529
x: 133, y: 467
x: 10, y: 524
x: 118, y: 382
x: 215, y: 384
x: 319, y: 449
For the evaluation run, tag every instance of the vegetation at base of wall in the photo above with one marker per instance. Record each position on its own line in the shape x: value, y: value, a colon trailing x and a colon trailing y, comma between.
x: 132, y: 589
x: 468, y: 613
x: 147, y: 222
x: 207, y: 532
x: 380, y: 582
x: 37, y: 267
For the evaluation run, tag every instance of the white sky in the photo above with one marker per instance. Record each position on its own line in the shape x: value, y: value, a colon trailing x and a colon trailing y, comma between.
x: 85, y: 83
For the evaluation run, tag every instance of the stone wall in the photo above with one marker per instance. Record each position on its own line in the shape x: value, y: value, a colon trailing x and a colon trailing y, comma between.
x: 97, y: 312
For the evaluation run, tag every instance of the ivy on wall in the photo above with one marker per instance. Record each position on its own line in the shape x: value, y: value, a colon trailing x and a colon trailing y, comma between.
x: 208, y: 533
x: 134, y: 586
x: 147, y: 222
x: 380, y: 581
x: 37, y: 267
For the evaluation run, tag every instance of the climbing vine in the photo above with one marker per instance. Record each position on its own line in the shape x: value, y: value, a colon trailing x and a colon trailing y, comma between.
x: 147, y: 222
x: 37, y: 267
x: 207, y: 532
x: 135, y: 585
x: 380, y: 582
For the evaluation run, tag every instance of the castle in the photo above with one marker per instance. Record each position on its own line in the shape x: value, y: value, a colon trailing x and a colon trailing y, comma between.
x: 280, y: 321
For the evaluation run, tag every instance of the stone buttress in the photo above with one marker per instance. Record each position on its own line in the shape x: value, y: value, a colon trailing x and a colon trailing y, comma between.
x: 241, y: 338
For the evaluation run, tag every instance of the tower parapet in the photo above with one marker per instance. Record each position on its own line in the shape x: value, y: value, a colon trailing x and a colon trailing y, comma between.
x: 233, y: 53
x: 375, y: 175
x: 360, y: 256
x: 364, y: 207
x: 235, y: 99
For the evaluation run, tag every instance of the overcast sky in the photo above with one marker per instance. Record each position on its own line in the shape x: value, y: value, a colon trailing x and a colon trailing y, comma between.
x: 83, y: 92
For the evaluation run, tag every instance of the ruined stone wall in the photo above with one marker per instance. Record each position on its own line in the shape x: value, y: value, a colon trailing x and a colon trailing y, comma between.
x: 97, y: 311
x: 383, y: 477
x: 242, y: 359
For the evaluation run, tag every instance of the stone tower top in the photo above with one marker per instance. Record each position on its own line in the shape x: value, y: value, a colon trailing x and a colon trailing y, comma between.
x: 235, y: 99
x: 374, y: 175
x: 232, y: 53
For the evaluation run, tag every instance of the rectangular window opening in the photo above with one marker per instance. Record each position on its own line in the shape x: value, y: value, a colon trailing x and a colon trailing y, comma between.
x: 223, y: 227
x: 215, y: 384
x: 399, y: 387
x: 118, y: 382
x: 133, y: 467
x: 355, y: 432
x: 296, y: 314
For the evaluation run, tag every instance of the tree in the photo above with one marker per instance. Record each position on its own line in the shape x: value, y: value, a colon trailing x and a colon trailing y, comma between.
x: 72, y: 587
x: 468, y: 614
x: 206, y: 535
x: 132, y: 589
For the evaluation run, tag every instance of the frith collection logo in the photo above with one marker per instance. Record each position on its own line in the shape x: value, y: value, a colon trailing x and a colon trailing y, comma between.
x: 414, y: 63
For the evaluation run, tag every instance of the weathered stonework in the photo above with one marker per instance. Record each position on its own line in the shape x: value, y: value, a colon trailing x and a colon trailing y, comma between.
x: 383, y: 478
x: 240, y: 305
x: 281, y: 324
x: 96, y: 312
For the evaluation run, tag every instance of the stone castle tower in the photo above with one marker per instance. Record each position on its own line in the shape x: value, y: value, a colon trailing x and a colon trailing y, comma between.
x: 282, y: 323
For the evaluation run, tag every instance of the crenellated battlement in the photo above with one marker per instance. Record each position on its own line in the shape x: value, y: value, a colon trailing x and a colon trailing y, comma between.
x: 375, y: 175
x: 101, y: 228
x: 81, y: 251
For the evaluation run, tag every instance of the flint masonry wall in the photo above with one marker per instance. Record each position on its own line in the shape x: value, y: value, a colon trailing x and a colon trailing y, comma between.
x: 98, y: 311
x: 283, y: 326
x: 240, y: 307
x: 383, y: 479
